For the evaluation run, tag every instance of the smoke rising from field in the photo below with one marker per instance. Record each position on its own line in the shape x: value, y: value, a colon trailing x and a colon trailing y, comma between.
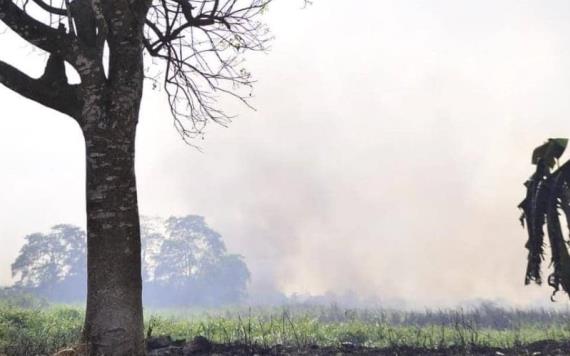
x: 386, y: 157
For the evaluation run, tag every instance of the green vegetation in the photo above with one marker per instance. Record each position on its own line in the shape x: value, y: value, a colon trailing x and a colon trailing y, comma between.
x: 37, y: 331
x: 42, y: 330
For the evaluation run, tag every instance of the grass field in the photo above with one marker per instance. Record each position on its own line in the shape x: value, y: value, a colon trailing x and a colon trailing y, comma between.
x: 44, y: 329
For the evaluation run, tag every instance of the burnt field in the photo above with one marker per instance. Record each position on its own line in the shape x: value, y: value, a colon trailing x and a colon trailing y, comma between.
x: 197, y: 347
x: 305, y: 330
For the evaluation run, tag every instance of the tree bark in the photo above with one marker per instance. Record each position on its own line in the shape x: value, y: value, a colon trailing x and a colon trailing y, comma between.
x: 114, y: 321
x: 114, y: 317
x: 113, y: 324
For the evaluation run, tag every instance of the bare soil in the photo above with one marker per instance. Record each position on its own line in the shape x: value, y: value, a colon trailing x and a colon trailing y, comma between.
x: 201, y: 346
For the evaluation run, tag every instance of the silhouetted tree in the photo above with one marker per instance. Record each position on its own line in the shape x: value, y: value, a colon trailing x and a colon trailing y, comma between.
x: 200, y: 42
x: 548, y: 195
x: 53, y: 265
x: 178, y: 259
x: 224, y: 279
x: 185, y: 263
x: 193, y: 266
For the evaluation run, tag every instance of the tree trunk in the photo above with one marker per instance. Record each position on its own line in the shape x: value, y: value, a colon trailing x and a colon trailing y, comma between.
x: 114, y: 318
x: 113, y: 324
x: 106, y: 105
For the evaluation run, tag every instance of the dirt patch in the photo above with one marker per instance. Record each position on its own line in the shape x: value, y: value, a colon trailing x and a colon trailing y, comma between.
x: 201, y: 346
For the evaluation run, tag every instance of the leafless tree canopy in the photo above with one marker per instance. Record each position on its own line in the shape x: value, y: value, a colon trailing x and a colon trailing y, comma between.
x: 199, y: 43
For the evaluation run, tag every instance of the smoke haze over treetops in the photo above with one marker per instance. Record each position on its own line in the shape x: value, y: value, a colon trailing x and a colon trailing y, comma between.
x: 386, y: 156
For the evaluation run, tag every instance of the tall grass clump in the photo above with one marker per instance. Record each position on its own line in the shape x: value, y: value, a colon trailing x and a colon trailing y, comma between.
x: 29, y: 327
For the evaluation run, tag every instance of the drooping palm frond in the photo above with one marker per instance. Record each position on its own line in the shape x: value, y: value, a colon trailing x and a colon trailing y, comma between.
x: 548, y: 194
x: 534, y: 215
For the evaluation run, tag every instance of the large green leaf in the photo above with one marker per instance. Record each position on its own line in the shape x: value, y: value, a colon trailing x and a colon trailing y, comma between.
x: 550, y: 151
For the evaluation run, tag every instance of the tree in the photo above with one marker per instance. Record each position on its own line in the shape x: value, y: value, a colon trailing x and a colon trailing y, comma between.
x: 178, y: 259
x: 184, y: 263
x: 192, y: 265
x: 224, y: 279
x: 54, y: 264
x: 200, y: 43
x: 548, y: 195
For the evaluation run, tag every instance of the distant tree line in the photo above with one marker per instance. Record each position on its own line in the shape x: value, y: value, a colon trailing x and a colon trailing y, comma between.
x: 184, y: 263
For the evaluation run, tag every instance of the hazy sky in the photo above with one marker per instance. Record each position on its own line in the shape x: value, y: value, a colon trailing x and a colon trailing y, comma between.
x: 386, y: 156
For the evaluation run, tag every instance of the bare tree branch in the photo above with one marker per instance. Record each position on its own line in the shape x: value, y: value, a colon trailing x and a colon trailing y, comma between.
x: 43, y: 36
x: 49, y: 8
x: 202, y: 44
x: 60, y: 97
